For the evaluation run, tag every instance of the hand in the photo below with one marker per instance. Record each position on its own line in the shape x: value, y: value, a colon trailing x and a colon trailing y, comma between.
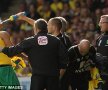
x: 21, y: 15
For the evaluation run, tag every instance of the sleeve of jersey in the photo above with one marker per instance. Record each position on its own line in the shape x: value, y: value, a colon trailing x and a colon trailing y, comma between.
x: 14, y: 50
x: 63, y: 59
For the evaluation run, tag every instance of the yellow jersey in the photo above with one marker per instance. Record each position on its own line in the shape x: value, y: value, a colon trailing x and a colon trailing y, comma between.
x: 4, y: 59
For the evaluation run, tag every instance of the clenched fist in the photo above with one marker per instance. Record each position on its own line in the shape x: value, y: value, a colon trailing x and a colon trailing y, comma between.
x: 21, y: 15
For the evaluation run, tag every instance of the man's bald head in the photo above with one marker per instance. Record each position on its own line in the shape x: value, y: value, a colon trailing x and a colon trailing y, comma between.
x: 84, y: 46
x: 84, y: 43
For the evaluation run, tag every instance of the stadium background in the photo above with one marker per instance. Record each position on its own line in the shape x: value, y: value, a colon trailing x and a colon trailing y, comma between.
x: 82, y: 16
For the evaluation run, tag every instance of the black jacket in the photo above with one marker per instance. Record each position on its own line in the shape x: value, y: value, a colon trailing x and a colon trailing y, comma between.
x: 65, y: 40
x: 79, y: 62
x: 102, y: 48
x: 45, y: 52
x: 102, y: 44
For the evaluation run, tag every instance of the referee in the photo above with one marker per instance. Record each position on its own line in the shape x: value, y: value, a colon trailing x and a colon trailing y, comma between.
x: 46, y: 54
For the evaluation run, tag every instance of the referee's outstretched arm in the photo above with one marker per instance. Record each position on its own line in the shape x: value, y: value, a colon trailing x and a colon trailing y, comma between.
x: 14, y: 50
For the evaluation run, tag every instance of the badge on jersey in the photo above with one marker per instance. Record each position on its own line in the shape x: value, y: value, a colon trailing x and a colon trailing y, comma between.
x: 42, y: 40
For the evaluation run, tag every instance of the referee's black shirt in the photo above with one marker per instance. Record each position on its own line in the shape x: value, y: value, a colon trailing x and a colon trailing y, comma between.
x: 45, y: 52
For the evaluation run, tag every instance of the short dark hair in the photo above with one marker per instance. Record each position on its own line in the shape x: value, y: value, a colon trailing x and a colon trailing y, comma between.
x: 41, y: 24
x: 57, y: 22
x: 64, y: 23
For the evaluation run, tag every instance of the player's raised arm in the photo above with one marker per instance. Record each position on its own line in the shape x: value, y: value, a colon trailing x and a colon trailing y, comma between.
x: 25, y: 18
x: 18, y: 16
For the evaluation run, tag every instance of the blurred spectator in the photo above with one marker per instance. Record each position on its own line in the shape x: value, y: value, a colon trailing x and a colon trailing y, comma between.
x: 98, y: 14
x: 105, y: 10
x: 67, y: 11
x: 47, y: 12
x: 56, y: 5
x: 17, y: 25
x: 23, y: 7
x: 90, y: 36
x: 92, y: 27
x: 85, y: 15
x: 83, y: 4
x: 75, y: 22
x: 9, y: 28
x: 72, y: 4
x: 28, y: 1
x: 32, y: 13
x: 4, y: 4
x: 22, y: 34
x: 40, y: 2
x: 94, y: 4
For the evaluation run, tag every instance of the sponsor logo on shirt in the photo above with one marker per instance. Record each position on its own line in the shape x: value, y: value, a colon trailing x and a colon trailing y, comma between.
x: 42, y: 40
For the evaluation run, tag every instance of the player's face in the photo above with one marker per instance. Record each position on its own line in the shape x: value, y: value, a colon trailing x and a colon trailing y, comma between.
x: 50, y: 27
x: 103, y: 26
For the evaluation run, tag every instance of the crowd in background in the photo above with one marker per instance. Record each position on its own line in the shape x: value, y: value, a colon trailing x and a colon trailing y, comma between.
x: 82, y: 17
x: 4, y: 4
